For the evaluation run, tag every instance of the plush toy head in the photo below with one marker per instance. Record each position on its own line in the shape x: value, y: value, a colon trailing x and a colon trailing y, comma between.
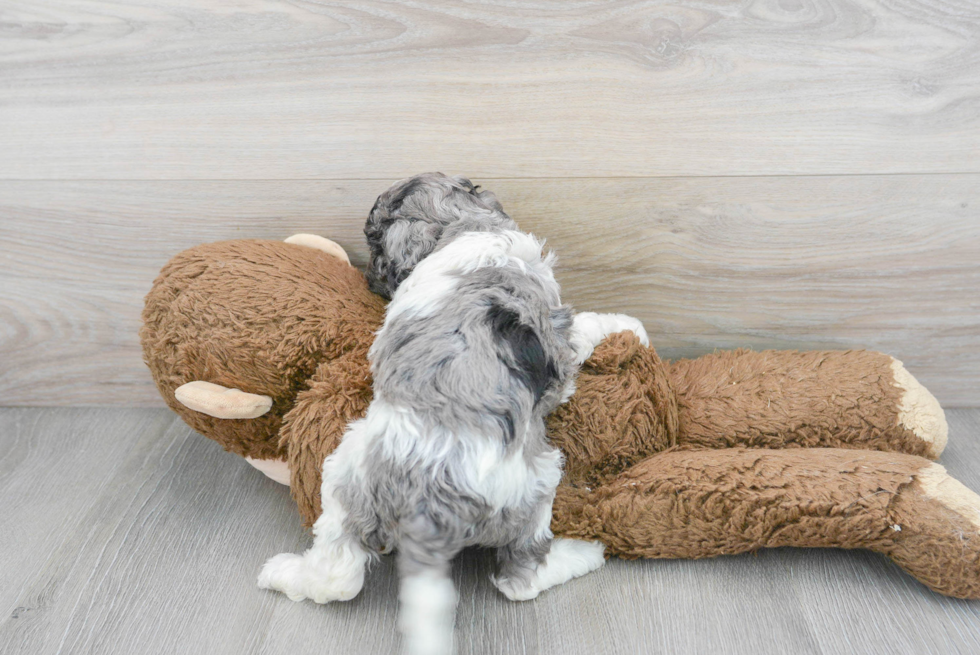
x: 261, y: 316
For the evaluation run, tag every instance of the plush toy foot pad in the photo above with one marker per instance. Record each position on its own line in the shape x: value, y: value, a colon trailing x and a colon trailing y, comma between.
x: 274, y: 469
x: 919, y: 411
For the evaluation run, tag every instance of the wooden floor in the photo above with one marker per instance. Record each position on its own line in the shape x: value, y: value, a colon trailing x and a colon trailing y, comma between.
x: 122, y: 531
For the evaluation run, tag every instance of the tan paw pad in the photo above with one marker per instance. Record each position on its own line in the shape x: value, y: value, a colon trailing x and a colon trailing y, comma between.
x: 938, y: 485
x: 919, y: 411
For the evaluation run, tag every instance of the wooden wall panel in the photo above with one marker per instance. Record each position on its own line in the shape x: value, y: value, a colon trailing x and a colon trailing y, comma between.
x: 883, y: 262
x: 368, y: 89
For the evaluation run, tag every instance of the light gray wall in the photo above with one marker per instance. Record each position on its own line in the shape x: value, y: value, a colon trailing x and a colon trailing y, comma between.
x: 785, y: 175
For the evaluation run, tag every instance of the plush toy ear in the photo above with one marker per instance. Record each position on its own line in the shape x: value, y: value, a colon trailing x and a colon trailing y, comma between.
x: 221, y: 402
x: 319, y: 243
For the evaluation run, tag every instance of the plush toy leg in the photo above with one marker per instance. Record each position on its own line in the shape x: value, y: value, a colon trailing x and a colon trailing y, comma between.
x: 772, y: 399
x: 319, y: 243
x: 221, y: 402
x: 703, y: 503
x: 939, y: 542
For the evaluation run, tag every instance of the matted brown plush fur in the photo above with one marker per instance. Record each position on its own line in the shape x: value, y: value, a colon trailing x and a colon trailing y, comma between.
x: 623, y: 411
x: 692, y: 459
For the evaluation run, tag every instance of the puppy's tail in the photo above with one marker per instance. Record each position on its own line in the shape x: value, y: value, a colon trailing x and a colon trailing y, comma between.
x: 427, y: 596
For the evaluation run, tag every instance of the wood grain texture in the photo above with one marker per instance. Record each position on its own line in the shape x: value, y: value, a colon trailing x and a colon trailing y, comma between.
x: 882, y: 262
x: 255, y: 89
x: 123, y: 532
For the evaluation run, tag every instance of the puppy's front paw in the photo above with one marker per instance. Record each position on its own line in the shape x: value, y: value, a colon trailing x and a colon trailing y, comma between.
x: 586, y: 335
x: 613, y: 323
x: 303, y: 576
x: 589, y: 329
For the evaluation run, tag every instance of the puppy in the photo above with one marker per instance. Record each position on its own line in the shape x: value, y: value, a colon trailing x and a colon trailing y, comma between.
x: 475, y: 350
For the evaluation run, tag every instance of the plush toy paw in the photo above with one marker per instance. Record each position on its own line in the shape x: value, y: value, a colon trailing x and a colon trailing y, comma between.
x: 274, y: 469
x: 305, y: 576
x: 589, y: 329
x: 568, y: 558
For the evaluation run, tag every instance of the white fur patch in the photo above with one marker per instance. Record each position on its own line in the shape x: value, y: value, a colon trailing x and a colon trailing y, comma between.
x: 507, y: 481
x: 400, y: 432
x: 436, y: 276
x: 568, y: 558
x: 333, y: 567
x: 428, y: 609
x: 502, y: 480
x: 322, y: 574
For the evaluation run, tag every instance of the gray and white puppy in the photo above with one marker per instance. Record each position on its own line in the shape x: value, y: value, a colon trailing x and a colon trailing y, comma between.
x: 475, y: 350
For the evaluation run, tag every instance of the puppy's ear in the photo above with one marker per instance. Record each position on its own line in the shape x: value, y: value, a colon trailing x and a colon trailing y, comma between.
x: 485, y: 196
x: 397, y: 246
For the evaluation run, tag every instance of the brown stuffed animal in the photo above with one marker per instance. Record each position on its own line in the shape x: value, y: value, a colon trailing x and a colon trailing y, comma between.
x: 262, y: 346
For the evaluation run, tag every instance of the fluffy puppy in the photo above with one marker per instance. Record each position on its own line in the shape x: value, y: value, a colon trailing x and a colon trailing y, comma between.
x: 475, y: 350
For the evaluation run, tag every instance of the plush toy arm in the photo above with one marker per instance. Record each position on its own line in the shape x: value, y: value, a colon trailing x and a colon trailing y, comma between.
x: 339, y: 392
x: 703, y: 503
x: 773, y: 399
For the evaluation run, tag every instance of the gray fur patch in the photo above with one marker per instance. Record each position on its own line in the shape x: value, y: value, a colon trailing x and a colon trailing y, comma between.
x: 408, y: 220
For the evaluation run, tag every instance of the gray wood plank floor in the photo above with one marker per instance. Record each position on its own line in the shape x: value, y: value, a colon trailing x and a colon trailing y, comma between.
x: 122, y: 531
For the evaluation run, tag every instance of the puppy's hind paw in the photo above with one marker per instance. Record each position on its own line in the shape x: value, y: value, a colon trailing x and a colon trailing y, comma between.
x: 568, y: 558
x: 301, y: 577
x: 284, y: 573
x: 516, y: 589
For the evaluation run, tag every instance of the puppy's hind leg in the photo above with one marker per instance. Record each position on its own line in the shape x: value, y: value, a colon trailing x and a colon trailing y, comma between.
x: 536, y: 562
x: 427, y: 596
x: 333, y: 567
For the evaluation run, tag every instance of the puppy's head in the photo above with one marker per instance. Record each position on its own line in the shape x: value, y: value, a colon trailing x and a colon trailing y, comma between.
x: 408, y: 220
